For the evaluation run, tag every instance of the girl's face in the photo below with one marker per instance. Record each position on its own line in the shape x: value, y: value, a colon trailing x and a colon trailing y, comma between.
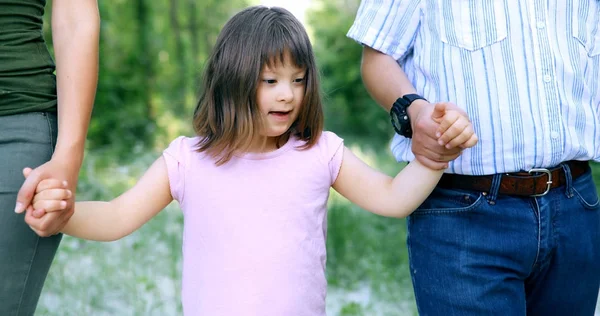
x: 279, y: 97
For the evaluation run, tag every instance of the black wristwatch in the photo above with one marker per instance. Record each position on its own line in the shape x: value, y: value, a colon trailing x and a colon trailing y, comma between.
x: 399, y: 114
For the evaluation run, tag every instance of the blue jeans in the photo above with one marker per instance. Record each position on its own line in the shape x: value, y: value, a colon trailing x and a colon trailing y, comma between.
x: 474, y: 253
x: 26, y: 140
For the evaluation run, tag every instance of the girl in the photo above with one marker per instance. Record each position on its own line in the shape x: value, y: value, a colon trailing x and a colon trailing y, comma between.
x: 254, y: 183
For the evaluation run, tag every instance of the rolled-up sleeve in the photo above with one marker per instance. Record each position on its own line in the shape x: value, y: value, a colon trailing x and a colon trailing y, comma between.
x: 389, y: 26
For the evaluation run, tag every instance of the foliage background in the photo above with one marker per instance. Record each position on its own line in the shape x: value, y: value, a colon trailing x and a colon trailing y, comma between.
x: 151, y: 57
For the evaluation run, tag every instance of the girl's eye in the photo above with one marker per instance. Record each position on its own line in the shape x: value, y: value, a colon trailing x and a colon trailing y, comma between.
x: 270, y: 81
x: 299, y: 80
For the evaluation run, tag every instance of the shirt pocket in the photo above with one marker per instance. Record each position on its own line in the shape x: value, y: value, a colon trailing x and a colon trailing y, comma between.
x: 586, y: 25
x: 469, y: 24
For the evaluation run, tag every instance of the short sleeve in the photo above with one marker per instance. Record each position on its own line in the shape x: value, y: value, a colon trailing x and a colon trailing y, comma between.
x: 387, y: 26
x: 332, y: 148
x: 175, y: 157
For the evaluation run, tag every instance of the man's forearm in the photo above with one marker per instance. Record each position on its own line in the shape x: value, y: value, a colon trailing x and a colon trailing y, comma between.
x: 75, y: 33
x: 384, y: 78
x: 386, y: 82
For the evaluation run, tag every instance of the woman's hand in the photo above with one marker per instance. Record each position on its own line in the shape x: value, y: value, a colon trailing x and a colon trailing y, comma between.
x: 42, y: 223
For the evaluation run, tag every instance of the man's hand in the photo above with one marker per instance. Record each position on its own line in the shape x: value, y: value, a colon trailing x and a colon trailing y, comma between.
x: 425, y: 145
x: 51, y: 223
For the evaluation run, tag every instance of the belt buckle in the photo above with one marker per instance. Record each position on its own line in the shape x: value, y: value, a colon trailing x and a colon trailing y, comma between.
x: 548, y: 183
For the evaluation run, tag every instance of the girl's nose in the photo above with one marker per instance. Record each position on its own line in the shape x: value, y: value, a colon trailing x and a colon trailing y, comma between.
x: 286, y: 94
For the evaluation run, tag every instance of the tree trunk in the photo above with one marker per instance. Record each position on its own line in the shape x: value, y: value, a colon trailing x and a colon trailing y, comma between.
x: 146, y: 59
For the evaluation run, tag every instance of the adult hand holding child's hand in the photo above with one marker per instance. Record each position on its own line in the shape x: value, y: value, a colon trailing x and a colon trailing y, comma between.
x: 455, y: 129
x: 45, y: 222
x: 425, y: 142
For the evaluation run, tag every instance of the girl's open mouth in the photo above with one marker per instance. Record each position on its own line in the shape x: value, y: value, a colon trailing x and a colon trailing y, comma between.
x: 280, y: 114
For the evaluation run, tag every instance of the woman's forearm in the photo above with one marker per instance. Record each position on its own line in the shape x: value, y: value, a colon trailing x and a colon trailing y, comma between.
x: 75, y: 34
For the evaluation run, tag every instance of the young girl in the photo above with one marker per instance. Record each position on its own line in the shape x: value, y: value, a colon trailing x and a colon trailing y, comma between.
x: 253, y: 185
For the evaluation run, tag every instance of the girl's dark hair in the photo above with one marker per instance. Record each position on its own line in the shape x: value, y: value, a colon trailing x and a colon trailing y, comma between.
x: 227, y: 116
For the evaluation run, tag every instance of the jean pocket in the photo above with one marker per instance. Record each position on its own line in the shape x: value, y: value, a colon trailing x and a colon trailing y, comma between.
x: 26, y: 140
x: 585, y: 191
x: 586, y: 26
x: 450, y: 201
x: 52, y: 121
x: 467, y: 24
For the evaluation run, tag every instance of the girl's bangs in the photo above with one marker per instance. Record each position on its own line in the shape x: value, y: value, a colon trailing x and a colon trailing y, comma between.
x: 281, y: 42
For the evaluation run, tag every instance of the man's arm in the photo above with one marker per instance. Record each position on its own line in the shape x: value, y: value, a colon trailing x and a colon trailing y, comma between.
x: 75, y: 34
x: 386, y: 81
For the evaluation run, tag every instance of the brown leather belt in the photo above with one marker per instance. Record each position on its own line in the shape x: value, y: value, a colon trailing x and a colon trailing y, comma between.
x: 536, y: 182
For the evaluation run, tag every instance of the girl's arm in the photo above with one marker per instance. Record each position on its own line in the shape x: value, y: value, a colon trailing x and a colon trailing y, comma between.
x: 108, y: 221
x: 382, y: 194
x: 400, y: 196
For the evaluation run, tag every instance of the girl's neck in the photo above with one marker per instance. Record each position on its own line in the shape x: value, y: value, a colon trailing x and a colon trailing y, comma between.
x: 265, y: 144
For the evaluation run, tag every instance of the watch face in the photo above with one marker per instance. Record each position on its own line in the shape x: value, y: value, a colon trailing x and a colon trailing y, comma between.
x: 400, y: 120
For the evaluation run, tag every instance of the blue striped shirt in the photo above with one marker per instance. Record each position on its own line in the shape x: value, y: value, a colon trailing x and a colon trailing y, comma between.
x: 526, y: 72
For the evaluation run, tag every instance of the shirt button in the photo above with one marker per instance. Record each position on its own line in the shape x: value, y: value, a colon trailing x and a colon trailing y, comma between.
x: 541, y: 25
x: 554, y: 135
x: 547, y: 78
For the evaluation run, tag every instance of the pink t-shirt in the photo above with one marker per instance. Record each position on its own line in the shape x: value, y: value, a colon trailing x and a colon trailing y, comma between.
x: 254, y: 228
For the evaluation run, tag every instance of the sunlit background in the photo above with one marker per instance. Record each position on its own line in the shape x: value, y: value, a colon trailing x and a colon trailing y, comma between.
x: 297, y: 7
x: 152, y: 53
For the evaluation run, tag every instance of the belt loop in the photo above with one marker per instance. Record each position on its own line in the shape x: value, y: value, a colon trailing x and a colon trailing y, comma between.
x: 568, y: 179
x: 493, y: 194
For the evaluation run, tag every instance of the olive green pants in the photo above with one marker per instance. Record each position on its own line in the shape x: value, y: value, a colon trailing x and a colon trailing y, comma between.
x: 26, y: 140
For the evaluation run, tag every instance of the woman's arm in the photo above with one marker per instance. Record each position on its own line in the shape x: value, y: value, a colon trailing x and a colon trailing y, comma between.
x: 75, y: 34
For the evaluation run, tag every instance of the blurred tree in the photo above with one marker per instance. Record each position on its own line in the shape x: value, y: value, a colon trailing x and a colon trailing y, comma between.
x: 349, y: 109
x: 151, y: 55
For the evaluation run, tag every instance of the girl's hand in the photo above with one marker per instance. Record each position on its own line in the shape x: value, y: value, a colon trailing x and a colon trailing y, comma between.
x: 455, y: 128
x: 51, y: 223
x: 424, y: 143
x: 51, y: 196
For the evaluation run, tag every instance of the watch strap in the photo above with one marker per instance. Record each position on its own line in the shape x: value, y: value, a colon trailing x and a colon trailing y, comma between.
x: 399, y: 114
